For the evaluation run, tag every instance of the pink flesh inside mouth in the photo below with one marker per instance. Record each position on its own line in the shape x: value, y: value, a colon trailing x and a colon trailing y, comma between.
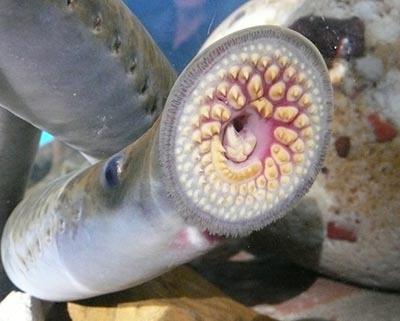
x: 248, y: 120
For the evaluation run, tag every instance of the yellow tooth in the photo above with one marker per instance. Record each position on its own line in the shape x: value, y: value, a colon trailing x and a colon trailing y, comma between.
x: 270, y: 171
x: 244, y: 73
x: 271, y: 73
x: 269, y: 162
x: 234, y: 71
x: 249, y: 172
x: 298, y: 158
x: 234, y: 189
x: 286, y: 113
x: 301, y: 121
x: 288, y: 73
x: 227, y: 173
x: 277, y: 54
x: 300, y: 78
x: 198, y: 100
x: 285, y: 180
x: 284, y: 135
x: 263, y: 106
x: 312, y: 109
x: 222, y: 88
x: 297, y: 146
x: 206, y: 159
x: 294, y: 93
x: 210, y: 92
x: 255, y: 87
x: 220, y: 112
x: 311, y: 143
x: 212, y: 178
x: 220, y: 160
x: 307, y: 132
x: 286, y: 169
x: 205, y: 147
x: 249, y: 200
x: 209, y: 169
x: 221, y: 74
x: 309, y: 84
x: 236, y: 97
x: 216, y: 112
x: 205, y: 111
x: 261, y: 181
x: 217, y: 145
x: 239, y: 200
x: 280, y: 154
x: 273, y: 185
x: 254, y: 58
x: 305, y: 100
x: 243, y: 189
x: 196, y: 121
x: 226, y: 115
x: 244, y: 57
x: 263, y: 62
x: 196, y: 137
x: 277, y: 91
x: 251, y: 187
x: 210, y: 129
x: 283, y: 61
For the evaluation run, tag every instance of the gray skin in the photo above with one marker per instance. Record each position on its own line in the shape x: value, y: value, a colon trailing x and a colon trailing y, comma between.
x: 122, y: 221
x: 89, y: 232
x: 18, y: 144
x: 85, y: 71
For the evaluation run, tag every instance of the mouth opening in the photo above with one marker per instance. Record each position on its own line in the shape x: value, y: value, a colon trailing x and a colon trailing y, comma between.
x: 253, y: 130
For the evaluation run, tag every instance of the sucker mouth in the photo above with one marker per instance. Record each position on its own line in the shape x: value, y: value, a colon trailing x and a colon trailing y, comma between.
x: 252, y: 130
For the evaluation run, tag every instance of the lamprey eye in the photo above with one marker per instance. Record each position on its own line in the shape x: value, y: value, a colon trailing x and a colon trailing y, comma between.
x: 249, y: 124
x: 112, y: 171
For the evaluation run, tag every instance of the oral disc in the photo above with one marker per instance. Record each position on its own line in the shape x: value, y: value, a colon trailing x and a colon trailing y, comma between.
x: 245, y: 129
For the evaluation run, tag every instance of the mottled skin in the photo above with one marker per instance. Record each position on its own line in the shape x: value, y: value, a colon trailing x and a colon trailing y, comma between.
x: 18, y: 143
x: 80, y: 218
x: 86, y: 71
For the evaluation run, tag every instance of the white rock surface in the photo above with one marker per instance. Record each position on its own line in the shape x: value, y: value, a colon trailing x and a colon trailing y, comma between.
x: 370, y: 67
x: 18, y: 306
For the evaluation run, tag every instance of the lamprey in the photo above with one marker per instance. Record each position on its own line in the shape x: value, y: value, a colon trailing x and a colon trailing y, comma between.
x: 241, y: 138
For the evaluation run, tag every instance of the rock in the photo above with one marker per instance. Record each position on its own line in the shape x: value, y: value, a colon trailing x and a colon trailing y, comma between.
x: 18, y: 306
x: 180, y: 295
x: 348, y: 225
x: 327, y: 300
x: 277, y: 288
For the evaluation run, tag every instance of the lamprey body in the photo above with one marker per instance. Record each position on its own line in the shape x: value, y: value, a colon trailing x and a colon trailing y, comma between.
x: 86, y: 71
x: 18, y: 144
x: 240, y: 140
x: 104, y: 229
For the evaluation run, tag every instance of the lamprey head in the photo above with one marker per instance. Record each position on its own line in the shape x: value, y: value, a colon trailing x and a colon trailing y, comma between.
x: 245, y: 129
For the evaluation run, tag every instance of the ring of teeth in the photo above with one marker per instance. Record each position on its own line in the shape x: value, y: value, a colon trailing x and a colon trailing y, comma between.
x: 254, y: 120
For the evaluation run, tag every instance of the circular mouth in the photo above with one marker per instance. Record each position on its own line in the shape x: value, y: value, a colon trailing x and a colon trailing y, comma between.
x: 250, y: 131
